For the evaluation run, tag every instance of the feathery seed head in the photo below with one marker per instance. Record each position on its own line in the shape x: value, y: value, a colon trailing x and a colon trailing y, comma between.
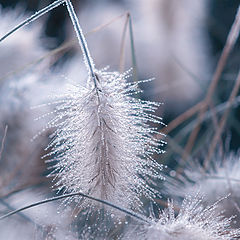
x: 103, y: 145
x: 193, y: 222
x: 220, y: 179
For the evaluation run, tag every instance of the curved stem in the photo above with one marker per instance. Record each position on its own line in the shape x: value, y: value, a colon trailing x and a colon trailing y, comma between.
x: 128, y: 212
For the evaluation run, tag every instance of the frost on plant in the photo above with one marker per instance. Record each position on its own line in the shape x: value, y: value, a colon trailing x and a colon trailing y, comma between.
x: 103, y: 145
x: 193, y: 222
x: 220, y: 179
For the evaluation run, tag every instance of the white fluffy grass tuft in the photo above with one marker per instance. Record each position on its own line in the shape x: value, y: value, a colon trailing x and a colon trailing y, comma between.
x: 103, y: 145
x: 193, y: 222
x: 222, y: 178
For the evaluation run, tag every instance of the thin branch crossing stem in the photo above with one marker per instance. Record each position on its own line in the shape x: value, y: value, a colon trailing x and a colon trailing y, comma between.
x: 128, y: 212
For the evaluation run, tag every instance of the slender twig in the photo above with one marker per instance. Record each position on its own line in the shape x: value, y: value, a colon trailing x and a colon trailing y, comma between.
x: 181, y: 118
x: 123, y: 42
x: 222, y: 121
x: 191, y: 74
x: 34, y: 17
x: 231, y: 40
x: 188, y: 128
x: 100, y: 27
x: 215, y: 125
x: 134, y: 61
x: 175, y: 146
x: 3, y: 141
x: 82, y: 42
x: 17, y: 170
x: 61, y: 48
x: 36, y: 182
x: 23, y: 216
x: 220, y: 108
x: 128, y: 212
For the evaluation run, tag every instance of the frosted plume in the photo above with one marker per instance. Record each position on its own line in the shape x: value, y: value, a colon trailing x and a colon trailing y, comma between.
x: 193, y: 222
x: 220, y: 179
x: 103, y: 145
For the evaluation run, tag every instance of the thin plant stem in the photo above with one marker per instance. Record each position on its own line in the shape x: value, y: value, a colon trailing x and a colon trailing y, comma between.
x: 190, y: 126
x: 215, y: 125
x: 165, y: 204
x: 231, y: 40
x: 61, y: 48
x: 218, y: 109
x: 123, y: 43
x: 231, y: 192
x: 34, y: 183
x: 3, y: 141
x: 222, y: 121
x: 82, y: 42
x: 174, y: 145
x: 191, y: 74
x: 181, y: 118
x: 19, y: 165
x: 26, y: 218
x: 33, y: 17
x: 134, y: 61
x: 108, y: 23
x: 128, y: 212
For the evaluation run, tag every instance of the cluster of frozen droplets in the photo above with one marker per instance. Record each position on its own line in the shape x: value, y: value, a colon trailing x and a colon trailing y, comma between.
x: 193, y: 222
x: 103, y: 145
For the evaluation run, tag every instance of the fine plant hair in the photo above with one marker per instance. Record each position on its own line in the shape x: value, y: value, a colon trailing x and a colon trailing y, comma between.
x: 128, y: 212
x: 103, y: 145
x: 192, y: 222
x: 220, y: 179
x: 108, y: 144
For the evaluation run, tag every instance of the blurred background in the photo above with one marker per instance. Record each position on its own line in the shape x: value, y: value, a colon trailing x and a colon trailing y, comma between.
x: 176, y: 42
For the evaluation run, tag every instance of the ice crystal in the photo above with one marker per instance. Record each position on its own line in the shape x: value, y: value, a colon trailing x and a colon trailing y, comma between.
x: 103, y: 144
x: 193, y: 222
